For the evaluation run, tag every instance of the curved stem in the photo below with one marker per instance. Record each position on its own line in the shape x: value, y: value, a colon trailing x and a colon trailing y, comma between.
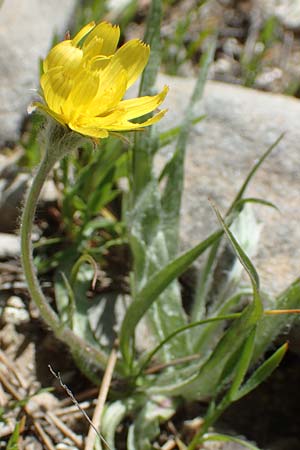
x: 34, y: 289
x: 76, y: 344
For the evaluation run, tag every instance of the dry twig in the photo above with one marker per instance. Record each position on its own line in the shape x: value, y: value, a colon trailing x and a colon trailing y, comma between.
x: 89, y: 445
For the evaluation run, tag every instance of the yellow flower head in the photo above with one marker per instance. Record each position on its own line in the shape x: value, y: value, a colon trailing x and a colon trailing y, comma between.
x: 85, y: 78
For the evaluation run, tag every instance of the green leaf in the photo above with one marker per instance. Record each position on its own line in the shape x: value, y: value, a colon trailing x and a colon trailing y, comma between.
x: 244, y: 260
x: 172, y: 195
x: 85, y: 258
x: 149, y: 249
x: 181, y: 330
x: 101, y: 195
x: 262, y: 373
x: 242, y: 366
x: 246, y: 263
x: 202, y: 288
x: 146, y: 142
x: 269, y: 327
x: 112, y: 416
x: 70, y: 304
x: 211, y: 374
x: 91, y: 183
x: 209, y: 335
x: 226, y: 438
x: 146, y: 425
x: 226, y: 272
x: 153, y: 288
x: 71, y: 296
x: 252, y: 173
x: 103, y: 315
x: 152, y: 37
x: 177, y: 382
x: 258, y: 201
x: 13, y: 443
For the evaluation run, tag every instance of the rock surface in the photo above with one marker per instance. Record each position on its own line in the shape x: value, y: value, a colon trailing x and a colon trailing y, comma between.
x: 27, y: 28
x: 240, y: 125
x: 287, y: 11
x: 9, y: 246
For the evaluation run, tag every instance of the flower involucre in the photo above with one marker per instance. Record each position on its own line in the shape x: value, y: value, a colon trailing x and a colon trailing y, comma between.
x: 85, y: 78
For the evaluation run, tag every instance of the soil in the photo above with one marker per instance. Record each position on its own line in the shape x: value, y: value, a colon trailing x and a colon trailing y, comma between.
x: 253, y: 48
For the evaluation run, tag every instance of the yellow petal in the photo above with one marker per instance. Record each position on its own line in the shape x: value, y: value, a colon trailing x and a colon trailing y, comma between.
x: 103, y: 121
x: 56, y: 88
x: 137, y: 107
x: 133, y: 57
x: 64, y: 54
x: 83, y: 32
x: 109, y: 94
x: 86, y: 84
x: 110, y: 34
x: 93, y: 49
x: 130, y: 126
x: 89, y: 131
x: 99, y: 63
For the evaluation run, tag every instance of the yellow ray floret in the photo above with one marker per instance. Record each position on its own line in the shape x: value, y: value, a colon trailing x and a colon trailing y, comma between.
x: 85, y: 79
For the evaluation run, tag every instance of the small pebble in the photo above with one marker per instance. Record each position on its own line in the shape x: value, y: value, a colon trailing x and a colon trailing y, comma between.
x: 15, y: 311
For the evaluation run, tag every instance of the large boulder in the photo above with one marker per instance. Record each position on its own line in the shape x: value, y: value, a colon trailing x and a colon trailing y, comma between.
x: 27, y: 28
x: 240, y: 125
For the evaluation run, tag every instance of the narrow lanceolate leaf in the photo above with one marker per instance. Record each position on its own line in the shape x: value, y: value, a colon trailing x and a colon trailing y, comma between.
x: 253, y: 172
x: 202, y: 288
x: 211, y: 374
x: 202, y: 379
x: 152, y: 246
x: 112, y: 416
x: 246, y: 263
x: 242, y: 366
x: 270, y: 327
x: 13, y: 443
x: 152, y: 37
x: 146, y: 425
x: 172, y: 195
x: 71, y: 298
x: 210, y: 334
x: 225, y: 438
x: 259, y: 201
x: 244, y: 260
x: 146, y: 144
x: 182, y: 330
x: 153, y: 288
x: 149, y: 249
x: 204, y: 283
x: 262, y: 373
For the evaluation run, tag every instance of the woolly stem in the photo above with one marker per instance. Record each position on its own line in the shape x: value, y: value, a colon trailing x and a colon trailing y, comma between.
x: 56, y: 148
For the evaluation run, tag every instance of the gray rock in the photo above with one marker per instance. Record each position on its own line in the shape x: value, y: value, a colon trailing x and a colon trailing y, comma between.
x: 287, y: 11
x: 27, y: 28
x: 240, y: 125
x: 15, y: 311
x: 9, y: 246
